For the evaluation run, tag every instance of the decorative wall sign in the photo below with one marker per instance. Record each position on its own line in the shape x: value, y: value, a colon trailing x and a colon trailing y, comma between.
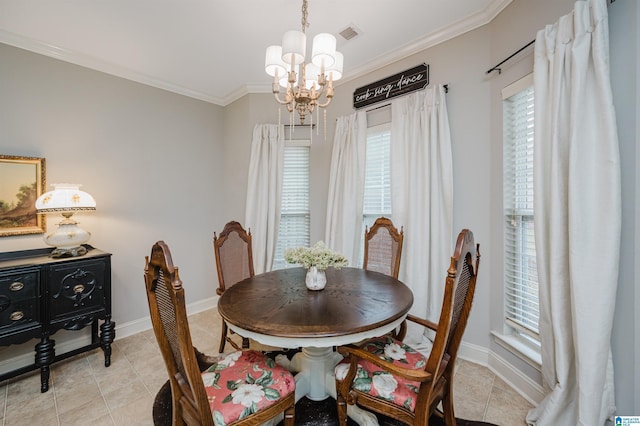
x: 399, y: 84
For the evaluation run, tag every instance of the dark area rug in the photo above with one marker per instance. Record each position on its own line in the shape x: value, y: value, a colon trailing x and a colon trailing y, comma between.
x: 324, y: 413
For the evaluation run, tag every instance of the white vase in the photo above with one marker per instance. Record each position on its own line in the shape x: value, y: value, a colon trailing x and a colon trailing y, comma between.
x: 315, y: 279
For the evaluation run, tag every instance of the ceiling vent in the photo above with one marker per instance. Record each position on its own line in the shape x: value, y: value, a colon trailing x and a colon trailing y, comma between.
x: 350, y: 32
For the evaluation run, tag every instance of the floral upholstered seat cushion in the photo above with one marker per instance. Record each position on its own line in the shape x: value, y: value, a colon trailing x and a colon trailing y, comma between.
x: 242, y: 383
x: 375, y: 381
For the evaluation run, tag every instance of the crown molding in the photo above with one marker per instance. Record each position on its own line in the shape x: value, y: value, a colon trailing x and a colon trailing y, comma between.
x: 439, y: 36
x: 96, y: 64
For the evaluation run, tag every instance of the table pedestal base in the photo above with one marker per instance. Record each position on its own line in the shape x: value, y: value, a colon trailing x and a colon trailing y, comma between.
x: 315, y: 379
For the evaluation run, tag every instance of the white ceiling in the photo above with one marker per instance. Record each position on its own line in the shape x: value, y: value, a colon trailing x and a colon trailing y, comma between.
x: 213, y: 50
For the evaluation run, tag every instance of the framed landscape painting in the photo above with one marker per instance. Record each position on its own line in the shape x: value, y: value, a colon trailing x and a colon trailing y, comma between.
x: 22, y: 181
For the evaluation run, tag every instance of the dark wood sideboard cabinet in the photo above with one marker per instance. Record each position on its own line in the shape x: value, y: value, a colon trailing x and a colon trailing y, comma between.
x: 40, y: 295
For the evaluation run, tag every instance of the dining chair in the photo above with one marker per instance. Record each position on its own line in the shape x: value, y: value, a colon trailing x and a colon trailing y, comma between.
x: 382, y: 253
x: 389, y: 377
x: 234, y: 263
x: 239, y: 388
x: 383, y: 247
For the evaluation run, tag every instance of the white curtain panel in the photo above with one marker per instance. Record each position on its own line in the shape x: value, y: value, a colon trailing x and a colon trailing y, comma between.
x: 577, y: 216
x: 346, y: 186
x: 264, y: 191
x: 422, y: 197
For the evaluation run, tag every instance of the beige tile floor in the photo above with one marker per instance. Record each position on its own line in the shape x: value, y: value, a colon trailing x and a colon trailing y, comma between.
x: 84, y: 392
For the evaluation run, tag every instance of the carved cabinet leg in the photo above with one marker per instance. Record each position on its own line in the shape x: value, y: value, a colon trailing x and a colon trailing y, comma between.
x: 45, y: 354
x: 107, y: 335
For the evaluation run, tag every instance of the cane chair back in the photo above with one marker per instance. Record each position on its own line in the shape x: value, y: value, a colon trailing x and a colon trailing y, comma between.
x: 189, y: 399
x: 234, y: 263
x: 422, y: 382
x: 383, y: 247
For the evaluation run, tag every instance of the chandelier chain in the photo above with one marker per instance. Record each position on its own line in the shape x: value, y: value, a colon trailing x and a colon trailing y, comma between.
x: 305, y: 14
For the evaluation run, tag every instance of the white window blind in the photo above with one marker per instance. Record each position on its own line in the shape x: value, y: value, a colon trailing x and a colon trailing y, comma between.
x: 521, y: 274
x: 294, y: 211
x: 377, y: 182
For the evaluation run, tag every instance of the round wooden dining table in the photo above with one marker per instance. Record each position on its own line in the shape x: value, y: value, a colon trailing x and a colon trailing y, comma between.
x: 277, y: 309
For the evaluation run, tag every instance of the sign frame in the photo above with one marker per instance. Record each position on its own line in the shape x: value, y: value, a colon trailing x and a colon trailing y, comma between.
x: 402, y: 83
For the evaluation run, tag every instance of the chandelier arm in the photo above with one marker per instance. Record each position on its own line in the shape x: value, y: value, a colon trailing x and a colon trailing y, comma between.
x: 280, y: 101
x: 328, y: 95
x: 326, y: 104
x: 320, y: 91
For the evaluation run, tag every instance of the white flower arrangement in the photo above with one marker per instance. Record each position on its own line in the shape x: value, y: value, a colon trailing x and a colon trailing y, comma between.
x: 319, y: 256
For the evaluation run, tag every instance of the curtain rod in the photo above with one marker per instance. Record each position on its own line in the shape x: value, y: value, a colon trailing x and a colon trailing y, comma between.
x: 497, y: 67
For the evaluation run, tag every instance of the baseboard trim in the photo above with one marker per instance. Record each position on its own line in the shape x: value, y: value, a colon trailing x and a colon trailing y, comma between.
x: 474, y: 353
x: 524, y: 385
x: 143, y: 324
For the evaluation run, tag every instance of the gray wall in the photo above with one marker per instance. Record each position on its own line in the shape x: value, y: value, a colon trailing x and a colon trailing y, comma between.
x: 151, y: 159
x: 624, y: 24
x: 112, y: 136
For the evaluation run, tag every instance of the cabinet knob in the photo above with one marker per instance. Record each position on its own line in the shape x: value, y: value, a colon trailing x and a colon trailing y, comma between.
x: 16, y: 286
x: 16, y: 316
x: 78, y: 289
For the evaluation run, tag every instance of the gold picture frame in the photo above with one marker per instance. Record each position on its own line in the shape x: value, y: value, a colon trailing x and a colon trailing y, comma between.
x: 22, y: 181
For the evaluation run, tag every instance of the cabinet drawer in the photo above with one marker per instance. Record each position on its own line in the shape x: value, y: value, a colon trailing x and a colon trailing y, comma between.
x: 19, y: 285
x: 76, y: 288
x: 17, y: 314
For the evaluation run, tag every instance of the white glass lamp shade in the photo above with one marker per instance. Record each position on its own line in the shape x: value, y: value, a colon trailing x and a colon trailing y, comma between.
x: 312, y: 72
x: 294, y: 47
x: 68, y: 237
x: 335, y: 70
x: 323, y: 52
x: 65, y: 198
x: 273, y: 63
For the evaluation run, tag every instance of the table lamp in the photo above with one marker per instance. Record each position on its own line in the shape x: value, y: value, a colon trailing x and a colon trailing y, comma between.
x: 66, y: 199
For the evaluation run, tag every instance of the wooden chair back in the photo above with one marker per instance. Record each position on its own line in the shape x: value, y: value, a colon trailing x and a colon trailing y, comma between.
x: 169, y: 317
x: 459, y: 291
x: 383, y: 247
x: 234, y: 255
x: 234, y: 262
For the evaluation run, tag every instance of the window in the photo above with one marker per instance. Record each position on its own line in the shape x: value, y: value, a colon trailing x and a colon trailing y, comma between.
x: 377, y: 182
x: 294, y: 211
x: 521, y: 274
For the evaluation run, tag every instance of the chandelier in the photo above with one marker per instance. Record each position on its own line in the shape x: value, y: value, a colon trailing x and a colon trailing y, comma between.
x: 316, y: 77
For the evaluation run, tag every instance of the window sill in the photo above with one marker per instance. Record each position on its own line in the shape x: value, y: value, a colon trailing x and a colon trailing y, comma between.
x: 521, y: 349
